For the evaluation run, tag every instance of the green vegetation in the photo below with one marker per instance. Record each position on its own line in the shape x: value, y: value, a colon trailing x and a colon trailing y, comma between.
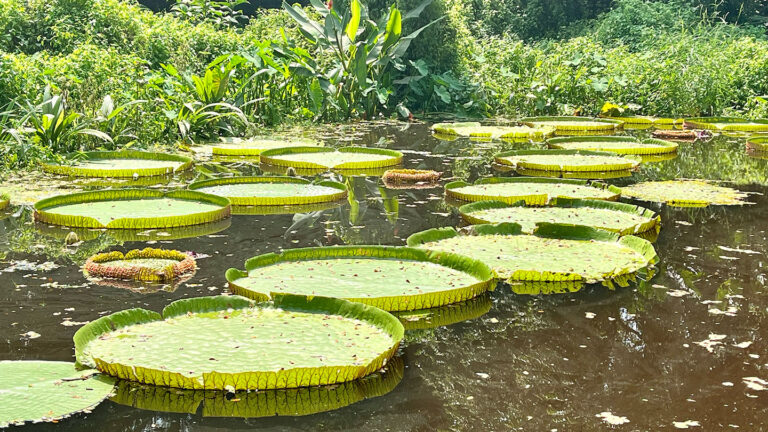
x: 81, y: 75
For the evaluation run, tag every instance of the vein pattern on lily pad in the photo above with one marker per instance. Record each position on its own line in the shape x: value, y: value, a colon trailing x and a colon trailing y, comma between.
x: 534, y: 190
x: 390, y: 278
x: 45, y: 391
x: 624, y: 219
x: 272, y: 191
x: 554, y: 253
x: 685, y: 193
x: 228, y: 342
x: 132, y: 209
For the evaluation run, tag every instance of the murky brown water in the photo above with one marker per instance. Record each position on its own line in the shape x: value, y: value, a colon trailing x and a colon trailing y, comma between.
x: 529, y: 363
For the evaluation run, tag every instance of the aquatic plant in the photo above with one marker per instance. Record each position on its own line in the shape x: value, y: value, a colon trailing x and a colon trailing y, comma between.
x: 567, y: 160
x: 533, y: 190
x: 563, y: 252
x: 125, y: 163
x: 726, y: 124
x: 344, y: 158
x: 148, y: 264
x: 399, y: 178
x: 132, y: 209
x: 574, y: 124
x: 232, y: 343
x: 390, y: 278
x: 272, y: 191
x: 685, y: 193
x: 615, y: 144
x: 48, y: 391
x: 621, y: 218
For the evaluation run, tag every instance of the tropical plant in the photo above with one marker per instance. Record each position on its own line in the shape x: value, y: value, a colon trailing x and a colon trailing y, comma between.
x: 113, y: 121
x: 53, y: 127
x: 221, y: 13
x: 366, y: 56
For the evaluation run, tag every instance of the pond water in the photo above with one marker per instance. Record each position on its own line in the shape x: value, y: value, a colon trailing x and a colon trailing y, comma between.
x: 686, y: 345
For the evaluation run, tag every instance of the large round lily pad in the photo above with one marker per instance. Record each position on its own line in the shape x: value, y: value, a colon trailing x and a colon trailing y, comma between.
x: 229, y: 342
x: 272, y: 191
x: 614, y: 144
x: 734, y: 124
x: 758, y: 143
x: 263, y: 403
x: 476, y: 130
x: 148, y: 264
x: 534, y: 190
x: 345, y: 158
x: 685, y: 193
x: 48, y: 391
x: 132, y: 209
x: 126, y: 163
x: 574, y: 124
x: 390, y: 278
x: 621, y: 218
x: 254, y: 146
x: 554, y: 253
x: 567, y: 160
x: 640, y: 120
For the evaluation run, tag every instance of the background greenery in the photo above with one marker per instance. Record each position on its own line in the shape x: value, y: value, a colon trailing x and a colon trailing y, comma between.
x: 186, y: 72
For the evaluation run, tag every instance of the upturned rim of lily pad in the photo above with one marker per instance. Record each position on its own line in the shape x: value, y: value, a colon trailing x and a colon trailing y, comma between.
x: 74, y: 170
x: 284, y: 378
x: 479, y: 270
x: 268, y: 157
x: 44, y: 209
x: 650, y: 146
x: 340, y: 194
x: 571, y: 123
x: 628, y: 162
x: 737, y: 124
x: 530, y: 199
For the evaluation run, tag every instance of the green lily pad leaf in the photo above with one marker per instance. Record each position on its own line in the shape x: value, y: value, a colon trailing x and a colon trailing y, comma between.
x: 734, y: 124
x: 554, y: 253
x: 533, y: 190
x: 345, y: 158
x: 442, y: 316
x: 567, y: 160
x: 265, y: 403
x: 638, y: 120
x: 545, y: 288
x: 574, y: 124
x: 127, y: 163
x: 45, y: 391
x: 621, y: 218
x: 476, y: 130
x: 254, y: 146
x: 758, y: 143
x: 614, y: 144
x: 228, y: 342
x: 137, y: 235
x: 132, y: 209
x: 685, y: 193
x: 390, y: 278
x: 272, y: 191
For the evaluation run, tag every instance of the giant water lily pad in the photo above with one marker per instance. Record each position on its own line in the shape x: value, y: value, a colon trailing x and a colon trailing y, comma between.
x: 476, y: 130
x: 229, y: 342
x: 624, y: 219
x: 254, y: 146
x: 733, y: 124
x: 345, y: 158
x: 614, y: 144
x: 534, y: 191
x: 757, y: 143
x: 132, y: 209
x: 263, y: 403
x: 390, y: 278
x: 554, y: 253
x: 127, y: 163
x: 442, y: 316
x: 148, y: 264
x: 685, y: 193
x: 640, y: 120
x: 272, y: 191
x: 567, y: 160
x: 574, y: 124
x: 47, y: 391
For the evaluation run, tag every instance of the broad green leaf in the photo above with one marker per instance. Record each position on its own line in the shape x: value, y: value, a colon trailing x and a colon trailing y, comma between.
x: 266, y: 190
x: 120, y: 164
x: 394, y: 28
x: 48, y: 391
x: 354, y: 20
x: 685, y: 193
x: 325, y: 158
